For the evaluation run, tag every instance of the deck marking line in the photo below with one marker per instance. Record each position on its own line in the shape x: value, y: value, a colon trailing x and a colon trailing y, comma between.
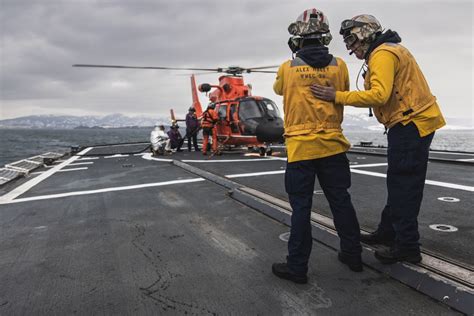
x: 81, y: 163
x: 263, y: 173
x: 369, y: 165
x: 148, y: 156
x: 113, y: 189
x: 278, y: 158
x: 73, y: 169
x: 370, y: 173
x: 87, y: 158
x: 116, y: 156
x: 121, y: 145
x: 227, y: 160
x: 29, y: 184
x: 431, y: 182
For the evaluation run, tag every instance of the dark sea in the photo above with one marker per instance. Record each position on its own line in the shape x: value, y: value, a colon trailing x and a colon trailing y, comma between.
x: 17, y: 144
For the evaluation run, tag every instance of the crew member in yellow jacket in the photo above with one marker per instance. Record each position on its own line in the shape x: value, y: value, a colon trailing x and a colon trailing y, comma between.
x: 399, y: 94
x: 315, y: 145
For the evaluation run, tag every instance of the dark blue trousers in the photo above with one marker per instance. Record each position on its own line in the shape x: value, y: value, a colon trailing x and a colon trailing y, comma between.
x: 407, y: 157
x: 335, y: 178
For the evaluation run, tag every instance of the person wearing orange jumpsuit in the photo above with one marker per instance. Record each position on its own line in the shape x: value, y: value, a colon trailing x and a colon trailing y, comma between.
x: 208, y: 124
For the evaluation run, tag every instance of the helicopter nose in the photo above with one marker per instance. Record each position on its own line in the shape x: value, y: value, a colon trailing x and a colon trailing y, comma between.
x: 270, y: 131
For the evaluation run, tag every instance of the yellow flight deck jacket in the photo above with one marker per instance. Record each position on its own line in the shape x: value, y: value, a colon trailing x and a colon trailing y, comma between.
x: 312, y: 126
x: 397, y: 90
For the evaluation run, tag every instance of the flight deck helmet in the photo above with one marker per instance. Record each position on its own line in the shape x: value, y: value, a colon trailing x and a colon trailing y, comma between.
x: 364, y: 27
x: 312, y: 23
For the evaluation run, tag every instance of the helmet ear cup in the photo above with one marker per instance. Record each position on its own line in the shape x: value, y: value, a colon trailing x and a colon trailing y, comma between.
x: 294, y: 43
x: 326, y: 38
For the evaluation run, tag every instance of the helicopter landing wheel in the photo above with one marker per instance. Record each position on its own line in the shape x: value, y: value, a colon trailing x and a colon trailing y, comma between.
x: 261, y: 151
x: 269, y: 151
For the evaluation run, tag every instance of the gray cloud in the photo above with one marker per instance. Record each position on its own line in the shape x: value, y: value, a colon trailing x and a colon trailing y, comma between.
x: 40, y: 40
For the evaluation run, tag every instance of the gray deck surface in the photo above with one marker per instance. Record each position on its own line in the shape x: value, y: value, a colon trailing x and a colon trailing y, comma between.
x: 369, y: 196
x: 185, y: 248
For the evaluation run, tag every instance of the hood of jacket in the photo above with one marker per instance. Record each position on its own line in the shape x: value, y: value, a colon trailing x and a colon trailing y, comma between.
x: 315, y: 56
x: 388, y: 36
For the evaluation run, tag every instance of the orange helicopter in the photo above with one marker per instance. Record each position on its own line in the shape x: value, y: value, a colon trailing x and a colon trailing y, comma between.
x: 244, y: 119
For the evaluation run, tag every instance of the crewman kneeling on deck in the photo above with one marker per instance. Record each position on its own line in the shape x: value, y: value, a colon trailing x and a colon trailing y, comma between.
x: 209, y: 120
x: 397, y: 90
x: 160, y: 142
x: 176, y: 140
x: 315, y: 145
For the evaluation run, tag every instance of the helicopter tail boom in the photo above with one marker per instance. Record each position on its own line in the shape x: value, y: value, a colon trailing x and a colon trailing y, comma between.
x: 196, y: 104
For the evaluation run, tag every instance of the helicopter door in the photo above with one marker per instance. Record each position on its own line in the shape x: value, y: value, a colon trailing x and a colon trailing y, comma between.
x: 234, y: 118
x: 222, y: 112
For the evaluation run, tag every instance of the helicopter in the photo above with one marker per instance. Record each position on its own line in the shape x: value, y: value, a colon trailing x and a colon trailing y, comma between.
x: 244, y: 119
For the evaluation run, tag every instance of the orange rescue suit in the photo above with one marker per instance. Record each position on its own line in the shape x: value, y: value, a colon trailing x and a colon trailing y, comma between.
x: 208, y: 124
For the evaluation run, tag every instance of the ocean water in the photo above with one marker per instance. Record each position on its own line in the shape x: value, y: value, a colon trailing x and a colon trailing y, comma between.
x: 16, y: 144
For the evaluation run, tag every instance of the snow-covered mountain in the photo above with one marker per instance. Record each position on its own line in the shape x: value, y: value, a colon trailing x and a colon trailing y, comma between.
x: 69, y: 122
x: 352, y: 122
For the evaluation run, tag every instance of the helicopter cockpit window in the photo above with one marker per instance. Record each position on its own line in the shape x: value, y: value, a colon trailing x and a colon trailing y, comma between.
x: 249, y: 109
x: 269, y: 107
x: 222, y: 111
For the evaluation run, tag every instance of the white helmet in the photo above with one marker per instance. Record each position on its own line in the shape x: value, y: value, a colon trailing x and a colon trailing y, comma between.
x: 312, y: 23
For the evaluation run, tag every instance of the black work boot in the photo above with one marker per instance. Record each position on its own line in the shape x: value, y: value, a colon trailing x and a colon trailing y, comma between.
x: 281, y: 270
x: 353, y: 262
x: 394, y: 255
x: 378, y: 238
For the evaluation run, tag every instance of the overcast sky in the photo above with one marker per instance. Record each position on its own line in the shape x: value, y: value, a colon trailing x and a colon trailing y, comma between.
x: 40, y: 40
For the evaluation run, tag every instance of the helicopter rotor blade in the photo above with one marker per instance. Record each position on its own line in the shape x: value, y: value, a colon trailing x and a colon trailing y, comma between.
x: 263, y: 67
x: 195, y: 73
x: 139, y: 67
x: 262, y: 71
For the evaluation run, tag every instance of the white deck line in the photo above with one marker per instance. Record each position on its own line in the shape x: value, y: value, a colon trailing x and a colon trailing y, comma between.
x: 253, y: 174
x: 369, y: 173
x: 116, y: 156
x: 87, y: 158
x: 73, y: 169
x: 118, y: 145
x: 88, y: 192
x: 278, y: 158
x: 81, y: 163
x: 431, y: 182
x: 227, y: 160
x: 148, y: 156
x: 369, y: 165
x: 28, y: 185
